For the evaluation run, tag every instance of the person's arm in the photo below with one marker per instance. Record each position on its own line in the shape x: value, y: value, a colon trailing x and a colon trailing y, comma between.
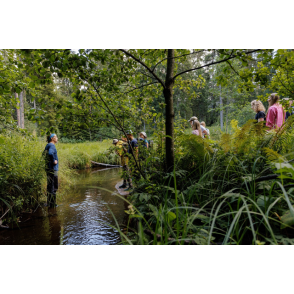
x: 52, y: 154
x: 260, y: 116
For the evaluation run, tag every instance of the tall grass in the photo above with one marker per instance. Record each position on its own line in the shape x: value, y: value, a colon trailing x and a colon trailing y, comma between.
x: 219, y: 195
x: 22, y: 175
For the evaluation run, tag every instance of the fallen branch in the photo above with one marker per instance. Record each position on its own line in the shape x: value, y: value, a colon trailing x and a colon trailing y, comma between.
x: 104, y: 164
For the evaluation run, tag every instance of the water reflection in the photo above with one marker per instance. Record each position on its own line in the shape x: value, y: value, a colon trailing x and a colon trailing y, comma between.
x: 81, y: 218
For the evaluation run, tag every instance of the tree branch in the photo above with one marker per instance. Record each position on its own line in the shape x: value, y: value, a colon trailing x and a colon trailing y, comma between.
x: 140, y: 87
x: 143, y: 64
x: 233, y: 68
x: 176, y: 57
x: 212, y: 63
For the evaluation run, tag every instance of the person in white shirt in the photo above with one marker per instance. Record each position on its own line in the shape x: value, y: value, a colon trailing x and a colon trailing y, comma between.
x: 207, y: 130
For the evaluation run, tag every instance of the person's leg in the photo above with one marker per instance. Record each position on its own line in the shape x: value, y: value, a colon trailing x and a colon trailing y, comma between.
x: 55, y: 187
x: 124, y: 185
x: 129, y: 179
x: 50, y: 187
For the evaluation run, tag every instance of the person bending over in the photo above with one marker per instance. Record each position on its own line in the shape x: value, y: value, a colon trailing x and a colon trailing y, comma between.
x: 121, y: 152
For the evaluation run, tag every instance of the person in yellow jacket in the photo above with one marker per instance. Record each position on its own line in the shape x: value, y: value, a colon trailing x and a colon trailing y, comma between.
x: 122, y: 152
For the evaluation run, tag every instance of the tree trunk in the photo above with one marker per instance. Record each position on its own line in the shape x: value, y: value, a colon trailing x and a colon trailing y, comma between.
x: 221, y: 106
x: 169, y: 111
x: 35, y: 107
x: 17, y: 110
x: 21, y: 108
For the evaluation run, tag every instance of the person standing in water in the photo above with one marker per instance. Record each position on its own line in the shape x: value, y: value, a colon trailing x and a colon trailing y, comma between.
x: 258, y: 107
x: 132, y: 150
x: 121, y: 152
x: 275, y: 115
x: 51, y: 170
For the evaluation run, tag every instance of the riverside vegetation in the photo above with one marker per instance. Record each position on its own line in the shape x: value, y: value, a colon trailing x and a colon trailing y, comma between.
x: 22, y: 175
x: 233, y: 189
x: 238, y: 190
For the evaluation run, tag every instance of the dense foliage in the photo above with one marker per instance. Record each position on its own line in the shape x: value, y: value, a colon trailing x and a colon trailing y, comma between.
x: 236, y: 191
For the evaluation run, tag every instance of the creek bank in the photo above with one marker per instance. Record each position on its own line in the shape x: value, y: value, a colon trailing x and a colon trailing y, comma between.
x: 82, y: 217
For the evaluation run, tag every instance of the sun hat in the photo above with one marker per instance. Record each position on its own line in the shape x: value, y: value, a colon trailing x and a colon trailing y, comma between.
x: 129, y: 132
x: 114, y: 141
x: 144, y: 134
x: 193, y: 118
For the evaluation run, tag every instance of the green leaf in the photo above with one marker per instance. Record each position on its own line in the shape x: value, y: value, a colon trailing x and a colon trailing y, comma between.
x: 287, y: 219
x: 171, y: 216
x: 264, y: 201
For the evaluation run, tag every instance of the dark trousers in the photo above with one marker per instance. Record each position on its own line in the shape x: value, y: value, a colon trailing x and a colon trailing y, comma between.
x: 127, y: 177
x: 52, y: 187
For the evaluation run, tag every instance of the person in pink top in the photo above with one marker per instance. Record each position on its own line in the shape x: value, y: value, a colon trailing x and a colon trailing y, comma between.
x: 196, y: 127
x: 275, y: 115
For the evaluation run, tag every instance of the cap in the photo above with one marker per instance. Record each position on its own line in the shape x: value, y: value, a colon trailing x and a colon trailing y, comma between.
x: 114, y: 141
x: 129, y: 132
x: 193, y: 118
x: 144, y: 134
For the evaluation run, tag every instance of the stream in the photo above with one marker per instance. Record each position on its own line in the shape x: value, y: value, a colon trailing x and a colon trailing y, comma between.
x: 82, y: 217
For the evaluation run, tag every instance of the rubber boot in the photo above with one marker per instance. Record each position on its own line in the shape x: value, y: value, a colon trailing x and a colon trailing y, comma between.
x: 124, y: 185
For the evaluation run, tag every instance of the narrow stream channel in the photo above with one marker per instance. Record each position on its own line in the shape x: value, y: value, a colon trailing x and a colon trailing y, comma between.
x: 82, y: 216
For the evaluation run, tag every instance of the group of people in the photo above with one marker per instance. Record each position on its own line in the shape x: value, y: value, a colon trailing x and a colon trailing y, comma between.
x: 198, y: 128
x: 125, y: 149
x: 276, y: 114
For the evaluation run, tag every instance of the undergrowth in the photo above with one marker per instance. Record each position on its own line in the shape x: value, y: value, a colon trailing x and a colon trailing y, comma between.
x: 239, y: 190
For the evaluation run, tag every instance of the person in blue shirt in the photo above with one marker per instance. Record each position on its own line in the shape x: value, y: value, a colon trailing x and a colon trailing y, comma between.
x: 291, y: 112
x: 133, y: 143
x: 143, y: 139
x: 257, y: 106
x: 51, y: 170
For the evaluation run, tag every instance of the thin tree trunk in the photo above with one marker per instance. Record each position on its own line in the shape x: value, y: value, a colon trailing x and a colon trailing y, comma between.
x: 35, y: 107
x: 169, y: 111
x: 21, y: 108
x: 17, y: 110
x: 221, y: 106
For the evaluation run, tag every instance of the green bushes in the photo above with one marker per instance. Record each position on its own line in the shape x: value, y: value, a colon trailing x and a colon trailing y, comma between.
x: 22, y: 175
x: 241, y: 191
x: 21, y: 172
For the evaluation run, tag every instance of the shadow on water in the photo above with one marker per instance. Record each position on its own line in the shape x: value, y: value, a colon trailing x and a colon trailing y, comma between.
x: 81, y: 218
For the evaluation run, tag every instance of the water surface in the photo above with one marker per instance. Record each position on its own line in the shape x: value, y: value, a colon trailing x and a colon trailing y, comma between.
x: 82, y: 216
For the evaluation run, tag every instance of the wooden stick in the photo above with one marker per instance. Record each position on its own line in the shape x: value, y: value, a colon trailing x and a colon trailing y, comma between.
x: 104, y: 164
